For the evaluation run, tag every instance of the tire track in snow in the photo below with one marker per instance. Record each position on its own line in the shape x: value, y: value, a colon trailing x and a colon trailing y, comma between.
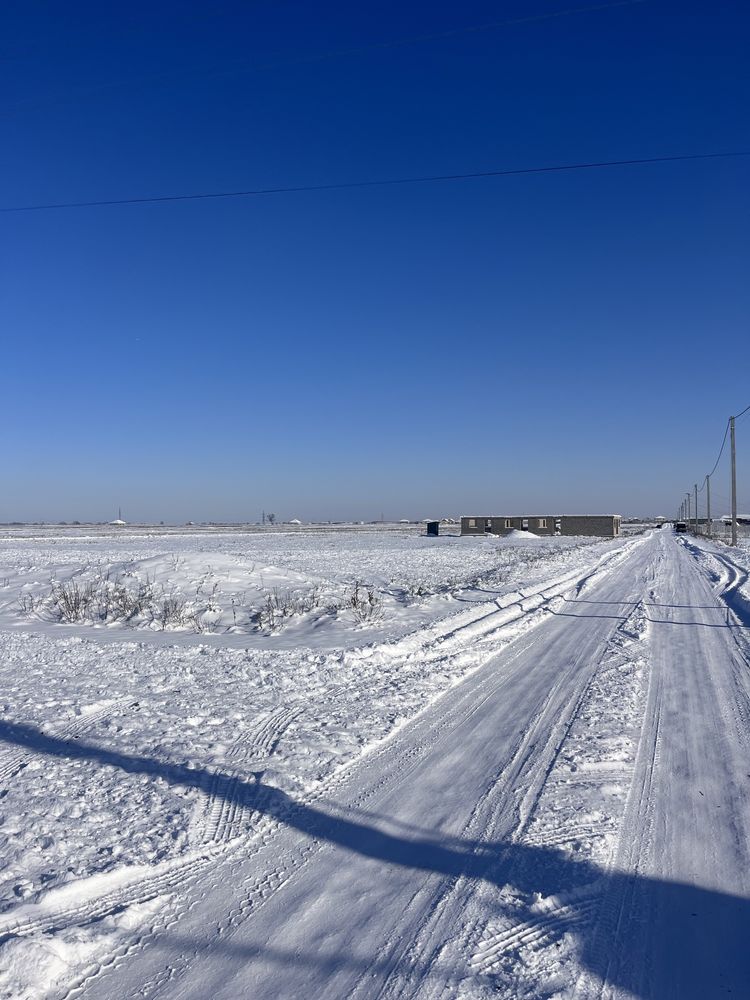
x: 390, y: 762
x: 227, y: 811
x: 635, y: 836
x: 550, y: 919
x: 16, y: 758
x: 225, y: 814
x: 497, y: 812
x: 256, y: 889
x: 530, y: 927
x: 728, y: 589
x: 174, y: 875
x: 401, y: 752
x: 502, y: 815
x: 646, y: 825
x: 139, y: 886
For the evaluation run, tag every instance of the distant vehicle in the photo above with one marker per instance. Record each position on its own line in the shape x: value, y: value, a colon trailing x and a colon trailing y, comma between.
x: 680, y: 527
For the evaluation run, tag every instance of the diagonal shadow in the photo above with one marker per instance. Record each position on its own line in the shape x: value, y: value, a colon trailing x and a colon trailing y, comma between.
x: 654, y: 621
x: 654, y: 938
x: 647, y: 604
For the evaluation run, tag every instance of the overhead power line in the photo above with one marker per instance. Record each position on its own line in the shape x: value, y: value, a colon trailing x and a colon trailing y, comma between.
x: 243, y: 68
x: 473, y: 29
x: 723, y: 444
x: 718, y: 459
x: 728, y: 430
x: 388, y: 182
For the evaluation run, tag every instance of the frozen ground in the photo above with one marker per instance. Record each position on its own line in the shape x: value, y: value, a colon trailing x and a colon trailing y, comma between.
x: 461, y: 788
x: 270, y: 590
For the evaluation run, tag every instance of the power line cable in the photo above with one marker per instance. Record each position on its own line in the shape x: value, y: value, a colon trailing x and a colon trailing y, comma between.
x: 476, y: 28
x: 331, y: 54
x: 390, y: 182
x: 721, y: 452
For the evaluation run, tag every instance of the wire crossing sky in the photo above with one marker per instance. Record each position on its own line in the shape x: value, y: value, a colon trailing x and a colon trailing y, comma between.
x: 743, y: 497
x: 395, y: 343
x: 429, y: 179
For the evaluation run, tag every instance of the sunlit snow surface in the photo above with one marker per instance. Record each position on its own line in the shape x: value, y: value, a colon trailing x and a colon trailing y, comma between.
x: 307, y: 692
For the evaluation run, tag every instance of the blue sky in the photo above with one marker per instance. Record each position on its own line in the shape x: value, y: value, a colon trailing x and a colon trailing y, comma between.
x: 570, y: 341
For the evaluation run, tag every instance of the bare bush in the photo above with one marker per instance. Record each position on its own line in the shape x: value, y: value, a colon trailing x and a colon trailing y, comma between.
x: 118, y: 602
x: 283, y: 604
x: 106, y: 600
x: 28, y: 604
x: 171, y: 611
x: 71, y: 601
x: 365, y: 603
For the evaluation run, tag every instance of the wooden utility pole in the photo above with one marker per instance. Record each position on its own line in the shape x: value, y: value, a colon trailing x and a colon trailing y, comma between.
x: 696, y: 508
x: 708, y: 506
x: 734, y: 481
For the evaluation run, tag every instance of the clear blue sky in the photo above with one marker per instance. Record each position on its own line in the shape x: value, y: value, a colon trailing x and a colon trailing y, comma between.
x: 570, y: 341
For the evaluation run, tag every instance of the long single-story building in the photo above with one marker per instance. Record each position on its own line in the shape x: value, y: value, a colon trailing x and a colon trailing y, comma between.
x: 607, y: 525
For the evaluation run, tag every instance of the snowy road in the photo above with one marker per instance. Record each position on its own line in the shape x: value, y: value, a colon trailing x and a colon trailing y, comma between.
x: 572, y: 819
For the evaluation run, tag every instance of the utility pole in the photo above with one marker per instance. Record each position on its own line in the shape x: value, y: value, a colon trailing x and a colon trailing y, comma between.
x: 687, y: 508
x: 734, y: 481
x: 696, y: 509
x: 708, y: 506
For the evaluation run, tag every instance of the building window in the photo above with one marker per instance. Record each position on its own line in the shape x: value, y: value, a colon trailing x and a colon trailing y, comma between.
x: 472, y: 522
x: 525, y: 524
x: 508, y: 523
x: 488, y: 524
x: 542, y: 522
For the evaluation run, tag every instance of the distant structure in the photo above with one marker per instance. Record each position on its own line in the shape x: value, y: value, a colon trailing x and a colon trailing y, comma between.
x: 606, y: 525
x: 118, y: 521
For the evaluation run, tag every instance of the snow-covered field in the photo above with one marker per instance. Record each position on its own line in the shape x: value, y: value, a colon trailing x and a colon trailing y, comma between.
x: 370, y: 763
x: 272, y: 648
x: 273, y: 589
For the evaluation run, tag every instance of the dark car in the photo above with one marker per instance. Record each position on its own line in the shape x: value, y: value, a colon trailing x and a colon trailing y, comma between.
x: 680, y: 527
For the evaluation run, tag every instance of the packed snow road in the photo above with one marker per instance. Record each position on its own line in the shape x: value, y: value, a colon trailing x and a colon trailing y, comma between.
x: 571, y: 820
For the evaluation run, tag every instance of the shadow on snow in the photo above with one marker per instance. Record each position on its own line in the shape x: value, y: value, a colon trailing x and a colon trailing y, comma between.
x: 653, y: 938
x: 648, y: 605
